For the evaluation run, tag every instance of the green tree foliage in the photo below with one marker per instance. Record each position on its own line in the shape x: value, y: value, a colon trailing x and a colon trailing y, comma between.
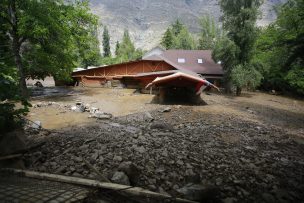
x: 168, y: 39
x: 184, y: 40
x: 88, y: 48
x: 106, y: 42
x: 280, y: 49
x: 177, y: 36
x: 239, y: 19
x: 40, y: 38
x: 245, y: 76
x: 10, y: 116
x: 9, y: 94
x: 49, y: 37
x: 209, y: 34
x: 117, y: 45
x: 177, y: 27
x: 126, y: 50
x: 226, y: 52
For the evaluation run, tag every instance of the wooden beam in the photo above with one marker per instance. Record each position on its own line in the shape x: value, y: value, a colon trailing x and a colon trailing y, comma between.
x: 12, y: 156
x: 132, y: 191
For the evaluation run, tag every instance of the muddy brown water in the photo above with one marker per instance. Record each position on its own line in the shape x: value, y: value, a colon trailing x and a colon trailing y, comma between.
x: 266, y: 109
x: 118, y: 102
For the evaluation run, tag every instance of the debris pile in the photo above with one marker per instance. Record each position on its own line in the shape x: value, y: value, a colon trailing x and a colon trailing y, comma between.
x: 78, y: 107
x: 183, y: 153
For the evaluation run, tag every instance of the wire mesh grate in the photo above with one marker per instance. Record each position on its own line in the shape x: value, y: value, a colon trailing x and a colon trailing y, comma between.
x: 15, y: 188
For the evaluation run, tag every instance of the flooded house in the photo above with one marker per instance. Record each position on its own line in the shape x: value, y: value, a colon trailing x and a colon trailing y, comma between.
x: 194, y: 65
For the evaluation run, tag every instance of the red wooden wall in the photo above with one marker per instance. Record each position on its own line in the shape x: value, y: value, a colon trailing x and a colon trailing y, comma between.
x: 131, y: 68
x: 98, y: 76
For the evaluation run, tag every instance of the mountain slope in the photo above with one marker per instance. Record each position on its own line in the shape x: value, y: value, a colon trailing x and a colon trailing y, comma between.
x: 147, y: 20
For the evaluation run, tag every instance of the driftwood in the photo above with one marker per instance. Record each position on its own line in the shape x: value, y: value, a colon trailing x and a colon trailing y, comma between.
x: 32, y: 147
x: 132, y: 191
x: 12, y: 156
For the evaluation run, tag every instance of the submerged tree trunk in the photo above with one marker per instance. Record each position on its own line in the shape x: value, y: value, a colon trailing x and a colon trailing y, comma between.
x: 238, y: 91
x: 16, y: 42
x: 228, y: 86
x: 22, y: 82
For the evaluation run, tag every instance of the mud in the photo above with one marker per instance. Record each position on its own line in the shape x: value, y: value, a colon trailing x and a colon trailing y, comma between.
x: 247, y: 149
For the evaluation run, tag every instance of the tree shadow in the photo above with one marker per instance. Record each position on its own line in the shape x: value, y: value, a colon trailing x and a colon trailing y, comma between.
x: 244, y: 95
x: 175, y: 100
x: 272, y: 115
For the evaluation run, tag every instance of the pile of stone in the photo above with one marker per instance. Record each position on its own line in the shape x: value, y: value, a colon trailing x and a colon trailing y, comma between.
x: 183, y: 153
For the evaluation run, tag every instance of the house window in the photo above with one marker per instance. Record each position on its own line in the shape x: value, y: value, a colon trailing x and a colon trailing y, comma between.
x: 181, y: 60
x: 199, y: 60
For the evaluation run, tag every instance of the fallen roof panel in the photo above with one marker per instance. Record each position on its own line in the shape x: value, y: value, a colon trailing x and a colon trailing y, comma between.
x: 176, y: 76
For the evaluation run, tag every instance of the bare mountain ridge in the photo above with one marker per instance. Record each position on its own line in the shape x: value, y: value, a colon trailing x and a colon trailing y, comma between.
x: 147, y: 20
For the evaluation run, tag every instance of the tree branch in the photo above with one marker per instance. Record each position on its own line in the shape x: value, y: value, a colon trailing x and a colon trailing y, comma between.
x: 21, y: 40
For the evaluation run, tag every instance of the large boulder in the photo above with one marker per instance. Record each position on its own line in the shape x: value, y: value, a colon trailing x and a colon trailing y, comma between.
x: 131, y: 170
x: 199, y: 192
x: 12, y: 142
x: 120, y: 177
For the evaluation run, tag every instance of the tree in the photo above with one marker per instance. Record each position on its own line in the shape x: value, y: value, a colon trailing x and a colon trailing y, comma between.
x: 126, y: 47
x: 40, y: 38
x: 177, y: 36
x: 106, y: 43
x: 10, y: 115
x: 184, y: 40
x: 280, y: 48
x: 88, y: 48
x: 177, y: 27
x: 126, y: 50
x: 239, y: 19
x: 210, y: 32
x: 168, y: 39
x: 47, y: 37
x: 117, y: 48
x: 226, y: 52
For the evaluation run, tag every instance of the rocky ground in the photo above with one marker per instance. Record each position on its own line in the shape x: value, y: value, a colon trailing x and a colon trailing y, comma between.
x: 183, y: 151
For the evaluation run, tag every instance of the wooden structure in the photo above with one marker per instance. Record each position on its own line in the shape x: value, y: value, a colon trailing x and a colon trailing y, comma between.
x: 127, y: 73
x: 137, y: 74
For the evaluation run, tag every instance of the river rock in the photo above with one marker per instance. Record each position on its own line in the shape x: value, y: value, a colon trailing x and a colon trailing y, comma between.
x: 101, y: 115
x: 120, y: 178
x: 117, y: 158
x: 198, y: 192
x: 167, y: 109
x: 148, y: 117
x: 36, y: 125
x: 131, y: 170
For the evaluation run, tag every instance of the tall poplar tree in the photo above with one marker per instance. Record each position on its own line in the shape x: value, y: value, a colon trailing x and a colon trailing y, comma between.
x: 239, y: 20
x: 106, y: 42
x: 117, y: 45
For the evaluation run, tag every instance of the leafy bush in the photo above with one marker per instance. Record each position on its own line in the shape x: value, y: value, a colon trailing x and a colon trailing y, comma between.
x: 10, y: 115
x: 246, y: 76
x: 295, y: 78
